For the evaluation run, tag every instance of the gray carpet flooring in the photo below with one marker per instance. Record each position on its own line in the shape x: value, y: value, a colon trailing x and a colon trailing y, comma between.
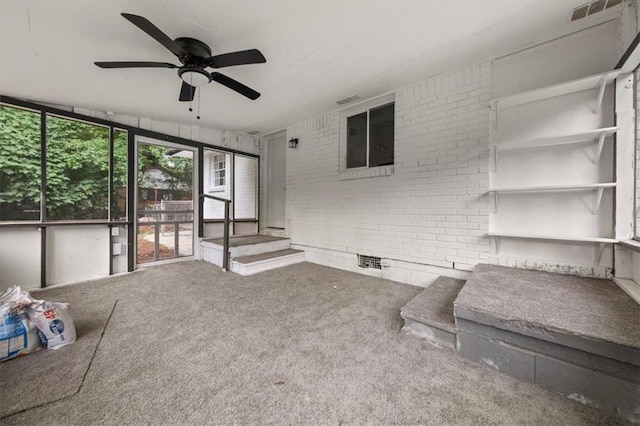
x: 189, y: 344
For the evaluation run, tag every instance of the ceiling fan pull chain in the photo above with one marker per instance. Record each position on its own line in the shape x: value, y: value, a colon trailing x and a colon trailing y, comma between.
x: 198, y: 116
x: 191, y: 101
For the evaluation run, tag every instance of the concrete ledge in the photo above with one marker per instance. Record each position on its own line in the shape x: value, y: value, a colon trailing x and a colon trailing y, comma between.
x: 591, y: 361
x: 434, y: 305
x: 591, y: 315
x: 430, y: 314
x: 588, y: 386
x: 432, y: 334
x: 561, y: 337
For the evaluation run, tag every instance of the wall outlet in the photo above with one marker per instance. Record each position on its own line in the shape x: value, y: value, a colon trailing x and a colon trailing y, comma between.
x: 115, y: 232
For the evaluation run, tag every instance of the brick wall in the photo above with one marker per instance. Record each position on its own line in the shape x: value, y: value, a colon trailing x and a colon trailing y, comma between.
x: 428, y: 208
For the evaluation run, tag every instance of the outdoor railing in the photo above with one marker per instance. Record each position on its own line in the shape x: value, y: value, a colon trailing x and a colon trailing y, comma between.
x: 225, y: 239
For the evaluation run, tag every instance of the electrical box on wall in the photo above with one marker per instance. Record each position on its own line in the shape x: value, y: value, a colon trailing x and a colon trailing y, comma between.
x: 115, y: 232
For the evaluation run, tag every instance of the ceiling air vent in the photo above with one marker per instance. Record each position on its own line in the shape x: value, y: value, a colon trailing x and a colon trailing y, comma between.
x: 590, y: 8
x: 348, y: 99
x: 253, y: 132
x: 369, y: 262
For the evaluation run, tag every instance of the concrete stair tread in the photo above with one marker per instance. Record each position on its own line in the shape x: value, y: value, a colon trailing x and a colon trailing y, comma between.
x: 244, y: 240
x: 245, y: 260
x: 434, y: 305
x: 592, y: 315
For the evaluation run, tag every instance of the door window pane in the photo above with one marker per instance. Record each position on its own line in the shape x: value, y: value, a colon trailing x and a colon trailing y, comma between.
x: 381, y: 136
x: 165, y: 202
x: 357, y: 141
x: 19, y: 164
x: 77, y: 170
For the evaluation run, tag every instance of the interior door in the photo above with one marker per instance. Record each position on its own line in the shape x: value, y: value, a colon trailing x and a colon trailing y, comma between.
x: 276, y: 179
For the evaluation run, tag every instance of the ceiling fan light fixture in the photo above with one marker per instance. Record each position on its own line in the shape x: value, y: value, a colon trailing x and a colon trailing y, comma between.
x: 195, y: 77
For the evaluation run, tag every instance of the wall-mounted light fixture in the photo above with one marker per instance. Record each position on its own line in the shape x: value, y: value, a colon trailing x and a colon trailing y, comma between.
x: 293, y: 143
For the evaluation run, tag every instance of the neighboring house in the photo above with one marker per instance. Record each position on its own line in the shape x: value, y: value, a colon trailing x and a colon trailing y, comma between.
x: 158, y: 185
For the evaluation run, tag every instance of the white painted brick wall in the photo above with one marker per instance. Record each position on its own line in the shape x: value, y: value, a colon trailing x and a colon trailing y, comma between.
x: 430, y: 210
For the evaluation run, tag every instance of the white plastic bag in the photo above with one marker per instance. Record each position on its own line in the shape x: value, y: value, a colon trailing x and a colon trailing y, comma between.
x: 54, y: 323
x: 18, y: 335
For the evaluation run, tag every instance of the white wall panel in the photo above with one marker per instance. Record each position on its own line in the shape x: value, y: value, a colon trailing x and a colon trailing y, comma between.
x: 20, y: 258
x: 76, y: 253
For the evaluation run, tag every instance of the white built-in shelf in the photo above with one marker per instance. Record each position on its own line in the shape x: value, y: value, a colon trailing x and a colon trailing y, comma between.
x: 597, y: 188
x: 597, y: 136
x: 553, y: 188
x: 555, y: 238
x: 598, y: 241
x: 598, y: 82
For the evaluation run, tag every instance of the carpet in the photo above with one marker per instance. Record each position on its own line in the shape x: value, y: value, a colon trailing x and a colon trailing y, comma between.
x: 304, y: 344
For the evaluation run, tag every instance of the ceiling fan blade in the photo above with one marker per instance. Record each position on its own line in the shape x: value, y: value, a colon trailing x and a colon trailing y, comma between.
x: 135, y: 65
x: 243, y: 57
x: 145, y: 25
x: 235, y: 85
x: 187, y: 92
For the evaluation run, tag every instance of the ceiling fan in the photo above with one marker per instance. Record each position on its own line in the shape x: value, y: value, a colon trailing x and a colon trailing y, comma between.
x: 195, y: 56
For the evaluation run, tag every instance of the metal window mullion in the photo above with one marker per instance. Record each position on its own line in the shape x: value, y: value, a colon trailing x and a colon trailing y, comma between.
x: 132, y: 217
x: 43, y: 198
x: 110, y: 178
x: 233, y: 192
x: 257, y: 195
x: 110, y: 200
x: 200, y: 191
x: 368, y: 150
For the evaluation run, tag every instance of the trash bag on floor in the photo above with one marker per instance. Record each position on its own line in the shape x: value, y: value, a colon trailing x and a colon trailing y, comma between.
x: 53, y: 322
x: 18, y: 335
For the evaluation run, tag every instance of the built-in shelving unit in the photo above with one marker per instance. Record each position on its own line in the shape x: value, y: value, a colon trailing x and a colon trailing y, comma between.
x: 597, y: 188
x: 598, y: 82
x: 598, y: 241
x: 598, y: 137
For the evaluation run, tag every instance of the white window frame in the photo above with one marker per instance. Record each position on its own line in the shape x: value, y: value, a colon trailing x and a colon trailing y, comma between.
x: 213, y: 172
x: 364, y: 171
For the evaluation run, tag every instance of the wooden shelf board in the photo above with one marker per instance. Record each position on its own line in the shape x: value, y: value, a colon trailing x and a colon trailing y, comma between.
x: 571, y: 138
x: 553, y: 188
x: 554, y: 238
x: 574, y: 86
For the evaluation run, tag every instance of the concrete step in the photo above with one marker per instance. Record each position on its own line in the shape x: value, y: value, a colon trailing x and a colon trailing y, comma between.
x: 430, y: 314
x: 249, y: 265
x: 244, y: 245
x: 576, y: 336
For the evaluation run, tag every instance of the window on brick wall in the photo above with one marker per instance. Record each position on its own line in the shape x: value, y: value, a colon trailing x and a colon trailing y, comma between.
x: 370, y: 137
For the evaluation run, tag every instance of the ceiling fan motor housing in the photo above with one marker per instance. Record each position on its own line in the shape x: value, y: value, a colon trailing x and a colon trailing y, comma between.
x: 197, y: 51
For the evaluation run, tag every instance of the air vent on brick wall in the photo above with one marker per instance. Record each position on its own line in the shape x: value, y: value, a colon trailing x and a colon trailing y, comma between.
x: 590, y: 8
x: 348, y: 99
x: 369, y: 262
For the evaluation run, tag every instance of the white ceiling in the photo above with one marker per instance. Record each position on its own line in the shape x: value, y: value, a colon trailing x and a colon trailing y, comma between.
x: 317, y: 51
